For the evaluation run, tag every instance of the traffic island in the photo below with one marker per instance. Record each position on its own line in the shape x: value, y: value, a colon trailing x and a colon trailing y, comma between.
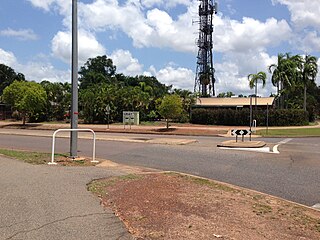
x: 240, y: 144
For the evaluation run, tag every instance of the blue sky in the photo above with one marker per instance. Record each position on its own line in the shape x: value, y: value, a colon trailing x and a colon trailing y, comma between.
x: 157, y: 37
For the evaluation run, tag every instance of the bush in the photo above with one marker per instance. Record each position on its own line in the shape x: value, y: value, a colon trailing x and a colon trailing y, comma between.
x: 241, y: 117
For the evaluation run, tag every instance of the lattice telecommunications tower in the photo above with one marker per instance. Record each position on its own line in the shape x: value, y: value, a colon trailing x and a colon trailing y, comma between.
x: 204, y: 81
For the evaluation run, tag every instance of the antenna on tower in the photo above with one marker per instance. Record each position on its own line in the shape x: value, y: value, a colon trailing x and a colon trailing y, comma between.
x: 205, y: 80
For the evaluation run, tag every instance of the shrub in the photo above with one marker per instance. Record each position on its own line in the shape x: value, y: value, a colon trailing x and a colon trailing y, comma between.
x: 241, y: 117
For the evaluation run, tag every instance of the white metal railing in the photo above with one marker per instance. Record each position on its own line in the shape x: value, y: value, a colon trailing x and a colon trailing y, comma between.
x: 254, y: 125
x: 73, y: 130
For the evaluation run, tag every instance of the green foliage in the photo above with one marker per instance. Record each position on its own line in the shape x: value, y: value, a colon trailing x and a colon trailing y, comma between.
x: 8, y: 76
x: 58, y: 99
x: 29, y: 98
x: 227, y: 94
x: 95, y: 99
x: 188, y: 100
x: 254, y: 78
x: 96, y: 71
x: 170, y: 107
x: 241, y: 117
x: 293, y: 75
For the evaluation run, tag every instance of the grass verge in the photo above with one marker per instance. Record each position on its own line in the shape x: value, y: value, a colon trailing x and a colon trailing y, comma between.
x: 98, y: 186
x: 38, y: 158
x: 28, y: 157
x: 297, y: 132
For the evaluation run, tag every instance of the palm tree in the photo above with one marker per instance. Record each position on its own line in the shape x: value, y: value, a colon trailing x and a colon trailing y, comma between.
x: 283, y: 75
x: 308, y: 72
x: 253, y: 82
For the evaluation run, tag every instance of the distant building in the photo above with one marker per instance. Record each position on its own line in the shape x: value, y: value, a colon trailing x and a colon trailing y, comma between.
x: 235, y: 102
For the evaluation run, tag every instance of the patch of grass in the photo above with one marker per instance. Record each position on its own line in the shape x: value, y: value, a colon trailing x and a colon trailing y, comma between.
x: 294, y: 132
x: 261, y: 209
x: 28, y: 157
x: 130, y: 177
x: 98, y: 187
x: 206, y: 182
x: 38, y: 158
x: 203, y: 181
x: 258, y: 197
x: 150, y: 123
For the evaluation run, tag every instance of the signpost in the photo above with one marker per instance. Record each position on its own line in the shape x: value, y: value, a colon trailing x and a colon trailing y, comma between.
x: 108, y: 113
x: 240, y: 132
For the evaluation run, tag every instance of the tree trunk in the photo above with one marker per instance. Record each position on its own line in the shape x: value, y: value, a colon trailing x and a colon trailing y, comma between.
x: 167, y: 120
x: 23, y: 119
x: 305, y: 98
x: 256, y: 95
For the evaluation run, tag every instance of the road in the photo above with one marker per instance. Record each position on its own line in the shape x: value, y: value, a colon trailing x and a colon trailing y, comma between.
x: 293, y: 174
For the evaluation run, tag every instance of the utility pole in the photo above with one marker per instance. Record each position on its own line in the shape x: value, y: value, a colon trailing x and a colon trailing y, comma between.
x: 74, y: 82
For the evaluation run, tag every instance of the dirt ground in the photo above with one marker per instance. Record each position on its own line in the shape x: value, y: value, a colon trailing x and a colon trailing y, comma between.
x: 174, y: 206
x: 175, y: 129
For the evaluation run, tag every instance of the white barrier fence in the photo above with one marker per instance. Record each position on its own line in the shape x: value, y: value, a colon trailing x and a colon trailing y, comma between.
x: 74, y: 130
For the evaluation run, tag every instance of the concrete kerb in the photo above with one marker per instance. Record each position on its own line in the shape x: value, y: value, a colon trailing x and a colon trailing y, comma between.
x: 240, y: 144
x: 166, y: 141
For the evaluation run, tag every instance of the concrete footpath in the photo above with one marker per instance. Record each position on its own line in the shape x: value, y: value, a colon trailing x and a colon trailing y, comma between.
x: 43, y: 202
x: 103, y: 136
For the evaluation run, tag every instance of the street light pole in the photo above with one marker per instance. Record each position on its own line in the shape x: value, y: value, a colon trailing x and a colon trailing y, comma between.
x: 74, y: 82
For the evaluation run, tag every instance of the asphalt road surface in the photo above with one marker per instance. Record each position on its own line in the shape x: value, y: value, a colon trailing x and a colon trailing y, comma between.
x: 293, y: 174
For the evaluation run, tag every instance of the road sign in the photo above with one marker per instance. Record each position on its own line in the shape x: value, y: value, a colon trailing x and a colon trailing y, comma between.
x: 241, y: 132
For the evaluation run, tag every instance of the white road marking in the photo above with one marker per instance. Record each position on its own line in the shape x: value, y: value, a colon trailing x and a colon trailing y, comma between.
x: 263, y: 149
x: 275, y: 148
x: 316, y: 206
x: 285, y: 141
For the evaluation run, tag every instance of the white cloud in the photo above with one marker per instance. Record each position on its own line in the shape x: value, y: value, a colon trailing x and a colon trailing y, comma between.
x: 310, y: 42
x: 250, y: 34
x: 304, y: 13
x: 35, y: 70
x: 88, y: 46
x: 7, y: 58
x: 178, y: 77
x: 168, y: 4
x: 62, y: 6
x: 232, y: 73
x: 125, y: 63
x: 22, y: 34
x: 156, y: 29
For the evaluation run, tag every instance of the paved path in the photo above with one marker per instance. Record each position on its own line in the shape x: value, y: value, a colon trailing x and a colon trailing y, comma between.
x: 43, y: 202
x: 134, y: 138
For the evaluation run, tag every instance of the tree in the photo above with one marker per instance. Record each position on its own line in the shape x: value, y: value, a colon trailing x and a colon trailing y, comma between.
x: 58, y: 99
x: 97, y: 70
x: 7, y: 76
x: 308, y: 70
x: 28, y: 98
x: 253, y: 82
x: 170, y: 107
x: 284, y: 74
x: 224, y: 95
x: 188, y: 100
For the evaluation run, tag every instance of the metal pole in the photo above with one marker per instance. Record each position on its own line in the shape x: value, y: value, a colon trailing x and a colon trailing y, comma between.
x: 74, y: 81
x: 250, y: 115
x: 267, y: 119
